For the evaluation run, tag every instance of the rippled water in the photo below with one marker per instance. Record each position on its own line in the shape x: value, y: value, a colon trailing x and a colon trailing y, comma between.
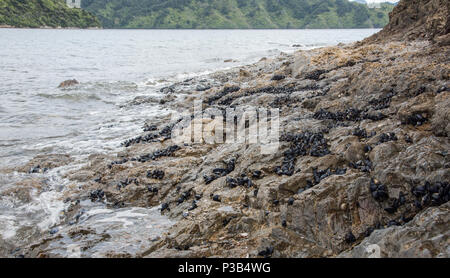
x: 114, y: 67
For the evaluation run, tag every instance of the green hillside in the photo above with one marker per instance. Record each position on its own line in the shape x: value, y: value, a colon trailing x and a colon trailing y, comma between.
x: 237, y: 14
x: 40, y: 13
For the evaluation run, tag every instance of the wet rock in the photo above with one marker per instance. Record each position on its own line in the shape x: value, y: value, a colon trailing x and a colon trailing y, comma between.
x: 68, y: 83
x: 244, y: 73
x: 168, y: 90
x: 391, y: 82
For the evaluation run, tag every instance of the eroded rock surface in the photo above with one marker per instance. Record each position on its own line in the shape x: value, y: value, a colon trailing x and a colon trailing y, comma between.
x: 363, y: 159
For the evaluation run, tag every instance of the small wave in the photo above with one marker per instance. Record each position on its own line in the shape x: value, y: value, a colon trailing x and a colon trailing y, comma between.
x: 110, y: 87
x: 279, y: 44
x: 75, y: 96
x: 213, y: 60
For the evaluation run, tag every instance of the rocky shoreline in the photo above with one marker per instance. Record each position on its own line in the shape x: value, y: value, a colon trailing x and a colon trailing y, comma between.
x: 362, y: 169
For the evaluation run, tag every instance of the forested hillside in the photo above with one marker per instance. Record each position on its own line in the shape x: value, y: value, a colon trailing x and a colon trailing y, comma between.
x: 44, y: 13
x: 237, y: 13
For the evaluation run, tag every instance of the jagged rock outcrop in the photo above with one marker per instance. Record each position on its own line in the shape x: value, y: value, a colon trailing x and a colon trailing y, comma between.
x: 363, y: 162
x: 417, y: 19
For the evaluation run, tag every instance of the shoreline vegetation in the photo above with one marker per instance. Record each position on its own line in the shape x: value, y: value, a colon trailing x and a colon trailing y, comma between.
x: 48, y: 13
x: 362, y: 170
x: 194, y: 14
x: 238, y: 14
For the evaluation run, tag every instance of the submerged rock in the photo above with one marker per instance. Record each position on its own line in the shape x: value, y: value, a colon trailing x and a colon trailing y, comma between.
x: 68, y: 83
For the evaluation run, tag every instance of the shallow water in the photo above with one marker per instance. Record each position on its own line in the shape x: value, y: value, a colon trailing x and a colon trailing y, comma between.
x: 114, y: 67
